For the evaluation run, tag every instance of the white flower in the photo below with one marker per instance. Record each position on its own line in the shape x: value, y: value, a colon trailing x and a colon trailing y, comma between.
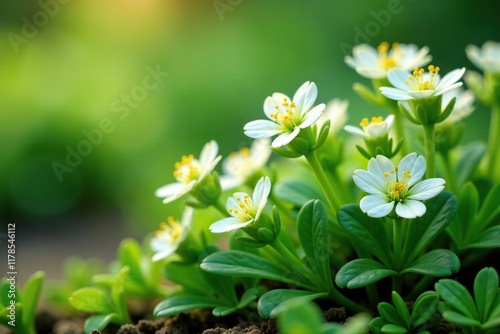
x: 374, y: 64
x: 189, y: 172
x: 287, y: 116
x: 239, y: 166
x: 376, y: 128
x: 243, y: 208
x: 389, y: 186
x: 487, y: 58
x: 463, y: 105
x: 171, y: 234
x: 421, y: 84
x: 336, y: 112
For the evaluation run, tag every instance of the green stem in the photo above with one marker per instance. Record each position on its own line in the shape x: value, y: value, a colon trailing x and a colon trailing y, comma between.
x: 430, y: 150
x: 494, y: 139
x: 398, y: 124
x: 397, y: 235
x: 419, y: 287
x: 450, y: 172
x: 325, y: 184
x: 333, y: 293
x: 345, y: 195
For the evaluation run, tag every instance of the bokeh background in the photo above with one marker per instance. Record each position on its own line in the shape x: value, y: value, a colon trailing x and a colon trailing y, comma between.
x: 66, y: 66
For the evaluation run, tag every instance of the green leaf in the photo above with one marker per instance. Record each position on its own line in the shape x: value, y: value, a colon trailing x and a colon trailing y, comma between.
x: 490, y: 238
x: 376, y: 325
x: 425, y: 310
x: 249, y: 242
x: 94, y: 300
x: 438, y: 263
x: 312, y: 229
x: 485, y: 291
x: 422, y: 230
x: 456, y: 297
x: 249, y: 296
x: 30, y: 296
x: 367, y: 232
x: 222, y: 286
x: 273, y: 303
x: 221, y: 311
x: 361, y: 272
x: 181, y: 303
x: 402, y: 309
x: 469, y: 160
x: 490, y: 208
x: 98, y: 322
x: 460, y: 319
x: 299, y: 318
x: 242, y: 264
x: 118, y: 292
x: 468, y: 206
x: 390, y: 314
x: 129, y: 254
x: 189, y: 276
x: 393, y: 329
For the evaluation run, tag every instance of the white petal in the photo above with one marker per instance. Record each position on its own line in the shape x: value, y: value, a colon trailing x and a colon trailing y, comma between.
x: 415, y: 165
x: 395, y: 94
x: 209, y: 168
x: 376, y: 206
x: 421, y: 94
x: 368, y: 182
x: 377, y: 130
x: 280, y: 98
x: 209, y: 152
x: 262, y: 129
x: 379, y: 165
x: 448, y: 88
x: 285, y: 138
x: 261, y: 191
x: 426, y: 189
x: 181, y: 192
x: 312, y: 116
x: 450, y: 78
x: 474, y: 55
x: 306, y: 101
x: 228, y: 224
x: 228, y: 182
x: 169, y: 189
x: 410, y: 209
x: 398, y: 78
x: 353, y: 130
x: 270, y: 106
x: 371, y: 72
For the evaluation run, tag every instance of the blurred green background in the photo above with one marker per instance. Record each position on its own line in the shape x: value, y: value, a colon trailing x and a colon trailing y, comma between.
x: 67, y: 65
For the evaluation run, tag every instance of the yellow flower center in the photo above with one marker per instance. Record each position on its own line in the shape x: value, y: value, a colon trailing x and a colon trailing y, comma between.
x: 172, y: 228
x: 239, y: 162
x: 385, y: 61
x: 396, y: 186
x: 375, y: 120
x: 285, y: 116
x: 187, y: 169
x: 418, y: 81
x: 244, y: 209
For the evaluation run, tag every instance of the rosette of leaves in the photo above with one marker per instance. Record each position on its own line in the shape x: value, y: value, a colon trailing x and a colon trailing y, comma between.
x: 480, y: 314
x: 396, y: 319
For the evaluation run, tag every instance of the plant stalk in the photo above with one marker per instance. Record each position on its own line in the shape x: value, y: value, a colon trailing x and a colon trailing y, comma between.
x: 430, y: 150
x: 494, y: 139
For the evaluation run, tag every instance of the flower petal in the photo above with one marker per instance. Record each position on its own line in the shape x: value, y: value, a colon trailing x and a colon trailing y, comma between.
x: 377, y: 130
x: 376, y: 206
x: 169, y: 189
x: 262, y: 129
x: 371, y: 72
x: 380, y: 165
x: 410, y: 209
x: 312, y: 116
x: 426, y: 189
x: 421, y: 94
x: 395, y: 94
x: 261, y: 191
x: 354, y: 130
x: 208, y: 153
x: 415, y: 165
x: 448, y: 88
x: 166, y: 250
x: 304, y: 97
x: 270, y: 105
x: 398, y: 78
x: 285, y: 138
x: 450, y: 78
x: 228, y: 224
x: 181, y: 192
x: 368, y: 182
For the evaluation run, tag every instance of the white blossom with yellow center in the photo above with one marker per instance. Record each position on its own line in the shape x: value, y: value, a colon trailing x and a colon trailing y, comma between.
x: 189, y: 171
x: 420, y: 84
x: 376, y: 128
x: 287, y: 116
x: 392, y: 186
x: 171, y: 234
x: 487, y: 58
x: 244, y: 209
x: 336, y: 113
x: 374, y: 63
x: 239, y: 166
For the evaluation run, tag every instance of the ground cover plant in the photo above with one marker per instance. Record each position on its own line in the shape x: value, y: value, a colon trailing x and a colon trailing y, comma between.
x: 398, y: 225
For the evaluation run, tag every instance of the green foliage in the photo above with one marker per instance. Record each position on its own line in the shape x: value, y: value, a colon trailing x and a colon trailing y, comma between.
x: 476, y: 226
x: 108, y: 302
x: 304, y: 317
x: 396, y: 318
x: 18, y: 307
x: 480, y: 314
x: 371, y: 235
